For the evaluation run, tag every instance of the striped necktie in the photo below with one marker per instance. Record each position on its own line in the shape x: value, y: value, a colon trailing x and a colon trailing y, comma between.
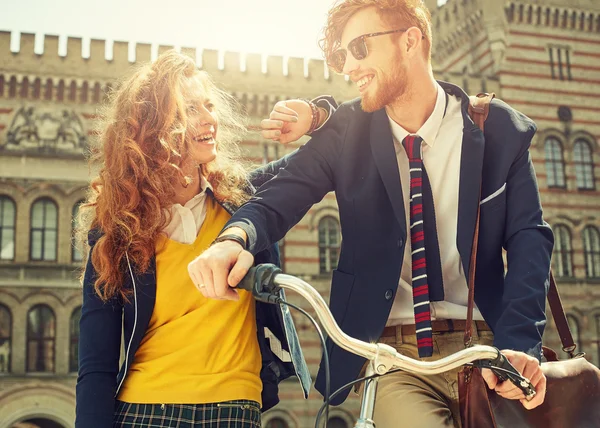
x: 420, y: 287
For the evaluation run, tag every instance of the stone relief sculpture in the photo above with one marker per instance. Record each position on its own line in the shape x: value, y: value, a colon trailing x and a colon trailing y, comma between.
x: 46, y: 131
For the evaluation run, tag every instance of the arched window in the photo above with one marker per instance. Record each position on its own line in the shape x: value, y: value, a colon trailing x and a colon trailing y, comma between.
x: 336, y: 422
x: 277, y: 423
x: 96, y: 93
x: 76, y: 255
x: 555, y: 166
x: 74, y: 340
x: 44, y: 228
x: 7, y: 228
x: 60, y: 91
x: 37, y: 88
x: 591, y: 250
x: 5, y: 342
x: 563, y: 252
x: 598, y: 337
x: 48, y: 89
x: 41, y: 336
x: 72, y: 91
x: 329, y: 244
x: 85, y: 92
x: 24, y: 88
x: 584, y: 165
x: 575, y: 332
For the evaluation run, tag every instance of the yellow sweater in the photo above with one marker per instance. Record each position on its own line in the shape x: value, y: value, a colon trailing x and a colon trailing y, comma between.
x: 195, y: 350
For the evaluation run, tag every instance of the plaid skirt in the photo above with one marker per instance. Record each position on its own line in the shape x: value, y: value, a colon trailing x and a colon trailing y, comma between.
x: 228, y: 414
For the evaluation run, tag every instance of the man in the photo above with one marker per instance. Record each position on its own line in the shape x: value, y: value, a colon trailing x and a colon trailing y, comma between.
x: 369, y: 152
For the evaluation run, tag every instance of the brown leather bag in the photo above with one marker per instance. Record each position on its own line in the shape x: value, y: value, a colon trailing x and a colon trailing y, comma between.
x: 573, y: 386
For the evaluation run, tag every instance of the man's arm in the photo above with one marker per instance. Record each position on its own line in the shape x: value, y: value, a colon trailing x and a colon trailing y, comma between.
x: 290, y: 120
x: 277, y: 207
x: 528, y: 241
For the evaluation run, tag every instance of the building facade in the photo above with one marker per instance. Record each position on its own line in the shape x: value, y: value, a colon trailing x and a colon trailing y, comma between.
x: 542, y: 57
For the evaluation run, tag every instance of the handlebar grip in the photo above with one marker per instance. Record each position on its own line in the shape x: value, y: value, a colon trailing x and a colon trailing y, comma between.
x: 247, y: 283
x: 260, y: 282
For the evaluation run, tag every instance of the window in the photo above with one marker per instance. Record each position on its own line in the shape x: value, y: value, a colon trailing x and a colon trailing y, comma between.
x: 5, y: 333
x: 277, y: 423
x: 337, y: 422
x: 563, y: 253
x: 560, y: 62
x: 41, y: 334
x: 591, y: 250
x: 76, y: 255
x: 584, y: 165
x: 329, y: 244
x: 574, y: 327
x: 44, y: 225
x: 74, y: 342
x: 555, y: 166
x: 7, y: 228
x: 598, y: 337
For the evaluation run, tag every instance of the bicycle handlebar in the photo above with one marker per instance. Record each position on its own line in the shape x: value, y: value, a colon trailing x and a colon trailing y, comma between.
x: 264, y: 281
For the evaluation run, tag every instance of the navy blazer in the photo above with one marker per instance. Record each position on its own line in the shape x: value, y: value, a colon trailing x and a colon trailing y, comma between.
x: 101, y: 324
x: 354, y: 156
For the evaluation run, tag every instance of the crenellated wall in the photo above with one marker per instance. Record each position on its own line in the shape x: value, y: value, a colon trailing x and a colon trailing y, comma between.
x: 84, y: 79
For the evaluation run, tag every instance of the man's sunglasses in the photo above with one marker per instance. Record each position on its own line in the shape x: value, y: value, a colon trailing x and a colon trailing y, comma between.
x: 358, y: 49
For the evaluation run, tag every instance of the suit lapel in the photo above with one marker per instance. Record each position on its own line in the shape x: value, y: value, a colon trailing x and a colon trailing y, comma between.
x: 384, y: 154
x: 469, y: 194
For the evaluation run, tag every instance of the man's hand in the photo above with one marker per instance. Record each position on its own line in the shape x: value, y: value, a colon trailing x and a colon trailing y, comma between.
x: 219, y: 268
x: 530, y: 368
x: 288, y: 121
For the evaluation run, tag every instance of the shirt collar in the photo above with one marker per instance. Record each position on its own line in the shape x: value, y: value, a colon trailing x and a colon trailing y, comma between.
x: 428, y: 132
x: 204, y: 185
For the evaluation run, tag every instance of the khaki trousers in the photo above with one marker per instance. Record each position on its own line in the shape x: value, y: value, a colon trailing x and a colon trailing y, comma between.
x: 418, y: 401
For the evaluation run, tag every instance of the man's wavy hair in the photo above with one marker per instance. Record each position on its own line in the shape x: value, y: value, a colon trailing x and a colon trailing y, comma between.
x: 143, y: 142
x: 396, y: 13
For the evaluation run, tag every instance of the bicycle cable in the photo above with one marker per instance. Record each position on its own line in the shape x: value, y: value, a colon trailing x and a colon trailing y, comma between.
x: 348, y: 385
x: 325, y: 355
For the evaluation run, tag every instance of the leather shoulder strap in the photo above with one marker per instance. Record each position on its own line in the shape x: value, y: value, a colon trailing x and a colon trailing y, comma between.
x: 479, y: 108
x: 560, y: 319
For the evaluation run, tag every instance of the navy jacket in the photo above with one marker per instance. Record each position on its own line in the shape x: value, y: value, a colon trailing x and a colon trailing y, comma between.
x: 101, y: 325
x: 354, y: 156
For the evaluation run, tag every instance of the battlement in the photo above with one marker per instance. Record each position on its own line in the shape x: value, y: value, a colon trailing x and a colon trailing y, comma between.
x: 237, y: 72
x: 556, y: 15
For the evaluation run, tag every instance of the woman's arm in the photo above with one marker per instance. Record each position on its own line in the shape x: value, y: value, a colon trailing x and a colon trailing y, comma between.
x: 99, y: 350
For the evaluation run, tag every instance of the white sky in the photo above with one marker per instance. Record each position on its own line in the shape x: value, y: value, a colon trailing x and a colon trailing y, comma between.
x: 273, y: 27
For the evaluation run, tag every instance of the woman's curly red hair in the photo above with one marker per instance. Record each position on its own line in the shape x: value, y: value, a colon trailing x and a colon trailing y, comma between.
x: 143, y: 142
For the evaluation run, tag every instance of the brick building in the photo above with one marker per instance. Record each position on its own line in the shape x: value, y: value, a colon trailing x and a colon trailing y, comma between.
x: 542, y: 57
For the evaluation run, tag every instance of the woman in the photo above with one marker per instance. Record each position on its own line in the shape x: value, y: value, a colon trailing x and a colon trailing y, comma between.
x: 169, y: 179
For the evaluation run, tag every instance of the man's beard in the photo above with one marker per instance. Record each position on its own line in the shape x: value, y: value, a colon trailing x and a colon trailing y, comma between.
x: 390, y: 88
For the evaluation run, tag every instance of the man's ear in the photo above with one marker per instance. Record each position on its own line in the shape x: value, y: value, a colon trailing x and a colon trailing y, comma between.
x: 414, y: 38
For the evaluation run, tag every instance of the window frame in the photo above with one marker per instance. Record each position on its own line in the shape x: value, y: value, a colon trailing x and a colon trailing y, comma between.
x: 47, y: 201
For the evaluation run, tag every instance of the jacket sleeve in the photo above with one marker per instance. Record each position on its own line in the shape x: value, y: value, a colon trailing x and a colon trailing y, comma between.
x: 261, y: 175
x: 528, y: 241
x: 99, y: 350
x: 307, y: 177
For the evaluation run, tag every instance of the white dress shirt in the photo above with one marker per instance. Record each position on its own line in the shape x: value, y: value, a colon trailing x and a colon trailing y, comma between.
x: 187, y: 219
x: 442, y: 147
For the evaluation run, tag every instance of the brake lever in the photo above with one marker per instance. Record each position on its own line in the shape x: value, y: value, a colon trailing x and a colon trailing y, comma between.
x: 504, y: 370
